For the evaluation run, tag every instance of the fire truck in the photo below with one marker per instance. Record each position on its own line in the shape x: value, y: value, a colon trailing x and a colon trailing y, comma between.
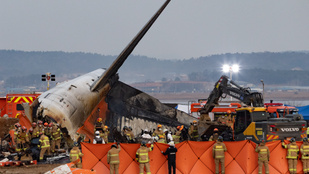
x: 216, y: 112
x: 12, y: 106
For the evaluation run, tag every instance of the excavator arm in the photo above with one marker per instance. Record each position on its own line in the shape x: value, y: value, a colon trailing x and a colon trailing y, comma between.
x: 229, y: 87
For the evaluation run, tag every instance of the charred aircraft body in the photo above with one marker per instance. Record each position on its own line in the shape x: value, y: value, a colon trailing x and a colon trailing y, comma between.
x: 71, y: 103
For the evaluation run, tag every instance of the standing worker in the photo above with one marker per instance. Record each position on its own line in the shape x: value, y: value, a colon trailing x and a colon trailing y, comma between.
x: 263, y: 156
x: 99, y: 125
x: 22, y: 139
x: 113, y: 158
x: 75, y: 155
x: 218, y: 151
x: 229, y: 119
x: 214, y: 135
x: 143, y: 158
x: 193, y: 131
x: 130, y: 135
x: 292, y: 154
x: 98, y: 139
x: 105, y: 134
x: 35, y: 132
x: 44, y: 145
x: 177, y: 135
x: 55, y: 137
x: 304, y: 149
x: 158, y: 131
x: 171, y: 157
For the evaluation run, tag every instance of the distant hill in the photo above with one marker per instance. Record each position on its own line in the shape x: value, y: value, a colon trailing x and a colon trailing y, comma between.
x: 16, y: 65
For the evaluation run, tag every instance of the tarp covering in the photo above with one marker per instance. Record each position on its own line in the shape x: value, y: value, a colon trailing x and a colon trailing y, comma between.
x: 304, y: 110
x: 192, y: 157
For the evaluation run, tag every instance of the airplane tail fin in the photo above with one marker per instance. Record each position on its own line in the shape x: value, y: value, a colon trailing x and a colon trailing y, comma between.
x: 112, y: 70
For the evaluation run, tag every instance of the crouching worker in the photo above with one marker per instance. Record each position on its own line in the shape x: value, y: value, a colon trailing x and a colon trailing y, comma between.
x: 143, y: 158
x: 113, y: 158
x: 75, y: 155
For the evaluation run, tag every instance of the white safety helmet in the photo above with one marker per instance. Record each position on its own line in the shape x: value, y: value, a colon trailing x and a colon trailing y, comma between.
x: 171, y: 143
x: 165, y: 130
x: 97, y: 133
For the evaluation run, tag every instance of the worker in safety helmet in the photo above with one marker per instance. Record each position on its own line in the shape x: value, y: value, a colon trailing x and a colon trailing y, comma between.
x: 22, y: 139
x: 263, y: 156
x: 177, y: 135
x: 75, y: 155
x: 158, y: 131
x: 143, y: 158
x: 36, y: 131
x: 98, y: 139
x: 222, y: 120
x: 47, y: 130
x: 171, y: 157
x: 292, y: 154
x: 105, y: 134
x: 44, y: 145
x: 17, y: 129
x: 229, y: 119
x: 218, y: 153
x: 146, y: 136
x: 304, y: 150
x: 130, y: 135
x: 99, y: 125
x: 193, y: 131
x: 113, y: 158
x: 56, y: 136
x: 41, y: 126
x: 214, y: 135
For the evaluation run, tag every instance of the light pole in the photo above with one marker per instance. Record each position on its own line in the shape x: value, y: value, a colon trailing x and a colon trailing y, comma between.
x: 228, y: 68
x: 263, y: 87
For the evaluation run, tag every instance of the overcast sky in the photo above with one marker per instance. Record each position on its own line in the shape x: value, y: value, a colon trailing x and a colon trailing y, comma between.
x: 186, y: 29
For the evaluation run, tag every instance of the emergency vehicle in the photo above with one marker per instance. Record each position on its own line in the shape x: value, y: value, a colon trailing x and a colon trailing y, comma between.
x: 11, y: 106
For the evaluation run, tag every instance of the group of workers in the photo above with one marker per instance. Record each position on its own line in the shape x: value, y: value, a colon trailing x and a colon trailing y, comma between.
x: 48, y: 136
x: 101, y: 132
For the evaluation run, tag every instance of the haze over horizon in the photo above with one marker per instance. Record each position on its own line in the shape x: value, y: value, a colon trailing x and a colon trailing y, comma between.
x: 184, y: 30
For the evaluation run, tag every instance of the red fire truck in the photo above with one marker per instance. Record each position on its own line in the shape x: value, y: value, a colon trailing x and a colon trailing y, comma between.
x: 11, y: 106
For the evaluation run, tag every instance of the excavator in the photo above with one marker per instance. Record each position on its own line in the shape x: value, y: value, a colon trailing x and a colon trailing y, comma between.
x: 252, y: 121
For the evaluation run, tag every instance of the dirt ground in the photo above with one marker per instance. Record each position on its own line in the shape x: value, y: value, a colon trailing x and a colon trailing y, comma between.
x: 6, y: 124
x: 35, y: 169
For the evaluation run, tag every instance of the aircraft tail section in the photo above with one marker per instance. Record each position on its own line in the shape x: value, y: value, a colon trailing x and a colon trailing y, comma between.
x: 112, y: 70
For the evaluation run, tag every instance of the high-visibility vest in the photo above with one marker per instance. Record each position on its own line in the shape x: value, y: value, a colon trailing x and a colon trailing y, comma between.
x: 292, y: 150
x: 142, y: 154
x: 304, y: 149
x: 113, y: 156
x: 263, y: 152
x: 75, y: 154
x: 218, y: 149
x: 44, y: 141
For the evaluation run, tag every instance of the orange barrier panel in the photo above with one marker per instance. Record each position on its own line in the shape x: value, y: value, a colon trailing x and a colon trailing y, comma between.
x: 192, y: 158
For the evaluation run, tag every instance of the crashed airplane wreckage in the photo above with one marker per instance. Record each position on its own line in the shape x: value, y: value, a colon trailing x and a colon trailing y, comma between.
x: 77, y: 103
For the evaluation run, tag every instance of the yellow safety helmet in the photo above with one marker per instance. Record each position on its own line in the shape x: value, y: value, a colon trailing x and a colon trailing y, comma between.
x: 194, y: 121
x: 159, y: 125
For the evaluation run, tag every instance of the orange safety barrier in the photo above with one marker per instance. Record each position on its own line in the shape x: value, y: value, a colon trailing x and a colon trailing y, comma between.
x: 192, y: 158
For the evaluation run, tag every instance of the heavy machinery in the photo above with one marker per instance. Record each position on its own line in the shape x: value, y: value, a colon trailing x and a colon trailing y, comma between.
x: 252, y: 121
